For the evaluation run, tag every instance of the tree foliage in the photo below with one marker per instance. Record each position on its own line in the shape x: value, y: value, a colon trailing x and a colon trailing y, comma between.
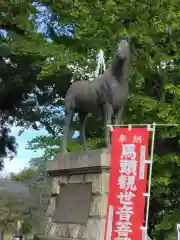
x: 14, y: 205
x: 36, y: 178
x: 25, y: 54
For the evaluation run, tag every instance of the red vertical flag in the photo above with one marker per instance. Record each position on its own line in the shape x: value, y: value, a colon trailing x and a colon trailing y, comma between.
x: 128, y: 178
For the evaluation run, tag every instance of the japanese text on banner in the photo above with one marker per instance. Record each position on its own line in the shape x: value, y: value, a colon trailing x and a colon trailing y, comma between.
x: 128, y: 177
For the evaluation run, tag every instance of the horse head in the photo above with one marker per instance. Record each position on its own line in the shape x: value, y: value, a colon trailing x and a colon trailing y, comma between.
x: 121, y: 63
x: 123, y: 51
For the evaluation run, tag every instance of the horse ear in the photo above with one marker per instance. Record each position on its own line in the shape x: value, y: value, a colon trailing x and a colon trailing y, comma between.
x: 132, y: 39
x: 129, y: 39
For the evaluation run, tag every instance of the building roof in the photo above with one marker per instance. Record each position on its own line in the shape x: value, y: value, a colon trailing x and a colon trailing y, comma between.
x: 13, y: 187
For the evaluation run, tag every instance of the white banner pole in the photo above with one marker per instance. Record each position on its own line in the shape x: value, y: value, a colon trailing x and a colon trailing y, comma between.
x: 150, y: 178
x: 178, y: 231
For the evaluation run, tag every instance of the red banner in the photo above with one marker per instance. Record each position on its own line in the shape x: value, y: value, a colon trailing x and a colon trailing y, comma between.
x: 128, y: 178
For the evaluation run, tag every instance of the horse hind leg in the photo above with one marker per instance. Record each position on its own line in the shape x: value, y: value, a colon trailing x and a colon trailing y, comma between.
x: 67, y: 122
x: 83, y: 117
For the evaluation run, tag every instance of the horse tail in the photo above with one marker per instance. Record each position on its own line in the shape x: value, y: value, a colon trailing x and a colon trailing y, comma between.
x: 69, y: 100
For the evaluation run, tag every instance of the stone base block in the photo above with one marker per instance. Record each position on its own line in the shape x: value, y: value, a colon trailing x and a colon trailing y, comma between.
x: 79, y: 195
x: 94, y: 161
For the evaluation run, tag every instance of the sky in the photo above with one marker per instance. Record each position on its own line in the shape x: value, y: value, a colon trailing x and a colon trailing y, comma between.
x: 23, y: 156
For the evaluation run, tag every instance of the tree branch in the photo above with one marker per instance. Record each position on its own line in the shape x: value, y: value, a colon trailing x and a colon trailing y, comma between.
x: 7, y: 220
x: 12, y: 27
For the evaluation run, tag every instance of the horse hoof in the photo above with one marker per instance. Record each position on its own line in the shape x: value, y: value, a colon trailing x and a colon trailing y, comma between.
x: 108, y: 147
x: 86, y: 149
x: 64, y: 152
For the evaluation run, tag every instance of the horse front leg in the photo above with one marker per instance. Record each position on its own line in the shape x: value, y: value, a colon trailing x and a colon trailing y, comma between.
x: 108, y: 112
x: 118, y: 116
x: 67, y: 122
x: 83, y: 117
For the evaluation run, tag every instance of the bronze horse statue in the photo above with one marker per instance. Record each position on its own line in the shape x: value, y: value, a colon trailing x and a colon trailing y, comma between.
x: 105, y: 96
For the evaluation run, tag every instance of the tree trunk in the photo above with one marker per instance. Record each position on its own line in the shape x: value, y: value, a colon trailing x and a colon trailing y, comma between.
x: 2, y: 235
x: 25, y: 237
x: 6, y: 221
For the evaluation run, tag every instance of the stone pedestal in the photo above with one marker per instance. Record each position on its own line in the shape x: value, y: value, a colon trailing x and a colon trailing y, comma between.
x: 78, y: 205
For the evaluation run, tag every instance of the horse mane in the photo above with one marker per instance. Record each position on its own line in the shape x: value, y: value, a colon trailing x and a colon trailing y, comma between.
x: 116, y: 66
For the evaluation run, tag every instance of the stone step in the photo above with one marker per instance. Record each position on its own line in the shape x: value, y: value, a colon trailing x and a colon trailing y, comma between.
x: 62, y: 238
x: 43, y: 237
